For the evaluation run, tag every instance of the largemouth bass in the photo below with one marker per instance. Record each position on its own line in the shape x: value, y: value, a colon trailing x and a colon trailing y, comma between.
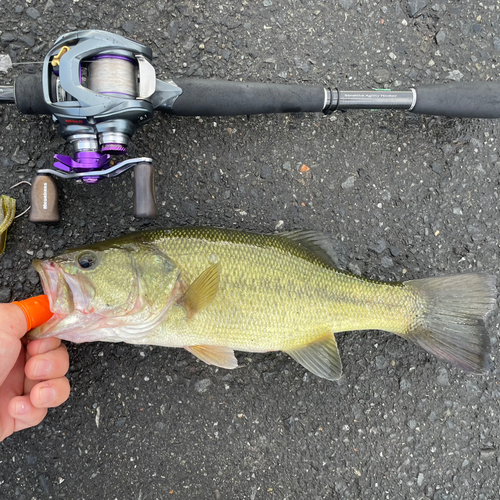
x: 214, y: 291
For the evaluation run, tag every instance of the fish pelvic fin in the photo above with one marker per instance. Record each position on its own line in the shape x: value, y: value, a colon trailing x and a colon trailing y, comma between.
x: 453, y: 326
x: 201, y: 291
x: 320, y: 357
x: 220, y: 356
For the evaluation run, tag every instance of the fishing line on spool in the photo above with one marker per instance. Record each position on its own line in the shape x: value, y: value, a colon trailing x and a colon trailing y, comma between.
x: 113, y: 75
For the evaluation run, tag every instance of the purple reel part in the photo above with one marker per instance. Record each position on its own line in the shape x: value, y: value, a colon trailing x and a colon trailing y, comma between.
x: 116, y: 149
x: 91, y: 180
x: 85, y: 161
x: 115, y: 56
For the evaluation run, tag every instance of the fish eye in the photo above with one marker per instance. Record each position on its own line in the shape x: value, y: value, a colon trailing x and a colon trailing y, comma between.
x: 87, y: 260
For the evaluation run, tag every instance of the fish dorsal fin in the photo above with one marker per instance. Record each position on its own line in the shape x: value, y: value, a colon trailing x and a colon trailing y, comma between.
x: 316, y: 242
x: 214, y: 355
x: 321, y: 357
x: 201, y: 291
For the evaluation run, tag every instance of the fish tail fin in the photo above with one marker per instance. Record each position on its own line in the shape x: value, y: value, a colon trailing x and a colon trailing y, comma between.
x: 453, y: 324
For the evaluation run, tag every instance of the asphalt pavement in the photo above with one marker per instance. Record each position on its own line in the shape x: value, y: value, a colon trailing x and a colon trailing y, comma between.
x: 403, y: 196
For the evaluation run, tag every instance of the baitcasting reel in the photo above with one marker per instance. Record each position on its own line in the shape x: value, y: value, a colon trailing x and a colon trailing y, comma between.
x: 100, y: 87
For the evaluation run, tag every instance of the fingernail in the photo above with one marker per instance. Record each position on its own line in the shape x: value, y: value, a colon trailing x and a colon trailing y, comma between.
x: 47, y: 395
x: 22, y: 408
x: 42, y: 367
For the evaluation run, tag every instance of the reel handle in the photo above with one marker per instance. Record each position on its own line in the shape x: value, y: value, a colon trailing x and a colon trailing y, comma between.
x: 145, y: 206
x: 44, y: 200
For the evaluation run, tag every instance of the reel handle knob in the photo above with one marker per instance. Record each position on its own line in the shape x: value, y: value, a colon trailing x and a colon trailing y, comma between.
x: 44, y: 200
x: 145, y: 206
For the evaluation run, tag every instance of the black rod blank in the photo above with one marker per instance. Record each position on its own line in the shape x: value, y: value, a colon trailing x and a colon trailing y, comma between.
x: 7, y: 94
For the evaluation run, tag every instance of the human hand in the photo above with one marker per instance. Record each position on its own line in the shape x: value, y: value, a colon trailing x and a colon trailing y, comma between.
x: 32, y: 376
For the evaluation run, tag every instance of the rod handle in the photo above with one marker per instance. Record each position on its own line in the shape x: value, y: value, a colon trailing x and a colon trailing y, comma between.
x: 28, y: 91
x: 459, y: 100
x: 222, y: 98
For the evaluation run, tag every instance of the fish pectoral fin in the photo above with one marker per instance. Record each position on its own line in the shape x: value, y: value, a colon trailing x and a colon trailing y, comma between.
x: 320, y: 357
x: 201, y: 291
x: 214, y: 355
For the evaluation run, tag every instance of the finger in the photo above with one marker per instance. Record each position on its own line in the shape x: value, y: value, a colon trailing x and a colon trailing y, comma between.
x: 13, y: 320
x: 11, y: 387
x: 10, y: 347
x: 12, y: 327
x: 24, y: 413
x: 50, y: 365
x: 42, y: 346
x: 50, y: 393
x: 39, y: 347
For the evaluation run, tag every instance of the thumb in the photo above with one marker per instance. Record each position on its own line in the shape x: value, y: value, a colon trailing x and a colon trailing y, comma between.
x: 12, y: 328
x: 12, y: 320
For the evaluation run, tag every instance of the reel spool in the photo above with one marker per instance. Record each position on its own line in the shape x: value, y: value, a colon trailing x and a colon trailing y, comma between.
x: 113, y: 75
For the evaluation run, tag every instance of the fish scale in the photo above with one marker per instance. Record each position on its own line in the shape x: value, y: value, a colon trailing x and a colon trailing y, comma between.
x: 276, y: 295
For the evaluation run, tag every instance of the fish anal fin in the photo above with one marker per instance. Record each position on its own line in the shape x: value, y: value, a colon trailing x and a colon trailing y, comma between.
x: 214, y: 355
x: 202, y: 291
x: 320, y: 357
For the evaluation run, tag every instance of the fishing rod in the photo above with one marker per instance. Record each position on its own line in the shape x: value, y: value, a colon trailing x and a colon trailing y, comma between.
x: 100, y: 87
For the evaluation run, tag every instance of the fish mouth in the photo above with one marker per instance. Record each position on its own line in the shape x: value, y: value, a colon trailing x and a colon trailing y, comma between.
x: 55, y: 287
x: 65, y: 294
